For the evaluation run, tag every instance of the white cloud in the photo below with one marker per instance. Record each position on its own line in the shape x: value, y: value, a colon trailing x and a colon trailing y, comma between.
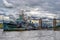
x: 7, y: 4
x: 40, y: 14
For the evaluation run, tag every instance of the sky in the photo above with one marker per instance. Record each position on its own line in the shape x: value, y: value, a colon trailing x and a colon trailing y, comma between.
x: 40, y: 8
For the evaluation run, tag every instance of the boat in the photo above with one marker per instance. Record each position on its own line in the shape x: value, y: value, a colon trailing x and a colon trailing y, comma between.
x: 19, y: 25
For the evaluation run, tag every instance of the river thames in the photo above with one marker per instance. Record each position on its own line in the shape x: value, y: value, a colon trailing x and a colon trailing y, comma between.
x: 30, y: 35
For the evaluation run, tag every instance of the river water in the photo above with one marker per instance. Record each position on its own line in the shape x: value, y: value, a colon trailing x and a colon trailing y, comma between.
x: 30, y: 35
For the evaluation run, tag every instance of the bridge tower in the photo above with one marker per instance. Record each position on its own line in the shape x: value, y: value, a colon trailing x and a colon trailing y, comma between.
x: 40, y: 24
x: 54, y: 24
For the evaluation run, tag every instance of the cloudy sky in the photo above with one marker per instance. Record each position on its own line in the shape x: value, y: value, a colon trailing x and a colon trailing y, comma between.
x: 41, y: 8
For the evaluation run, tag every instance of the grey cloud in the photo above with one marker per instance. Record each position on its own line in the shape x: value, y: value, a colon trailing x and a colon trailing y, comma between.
x: 52, y: 6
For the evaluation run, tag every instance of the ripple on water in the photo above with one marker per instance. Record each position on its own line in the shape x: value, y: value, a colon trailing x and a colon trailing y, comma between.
x: 26, y: 35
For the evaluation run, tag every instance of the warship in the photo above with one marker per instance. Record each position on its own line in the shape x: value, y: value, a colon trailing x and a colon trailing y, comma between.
x: 20, y: 24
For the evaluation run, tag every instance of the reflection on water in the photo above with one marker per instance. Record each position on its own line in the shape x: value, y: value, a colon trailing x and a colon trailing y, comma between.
x: 27, y: 35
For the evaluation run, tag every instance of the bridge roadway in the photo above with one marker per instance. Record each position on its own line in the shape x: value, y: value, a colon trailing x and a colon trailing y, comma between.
x: 30, y: 35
